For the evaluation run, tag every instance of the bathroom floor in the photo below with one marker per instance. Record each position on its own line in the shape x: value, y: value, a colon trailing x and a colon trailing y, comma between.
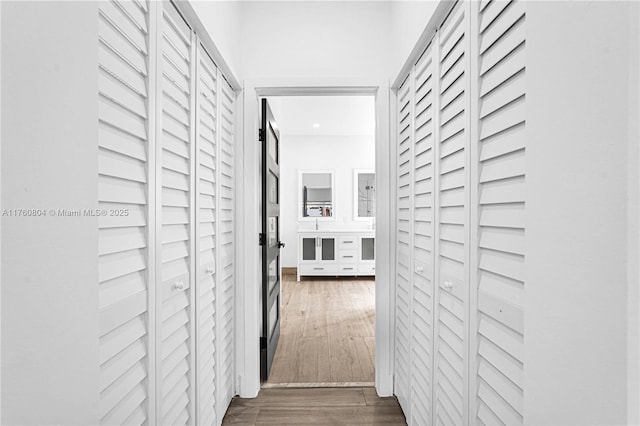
x: 326, y: 333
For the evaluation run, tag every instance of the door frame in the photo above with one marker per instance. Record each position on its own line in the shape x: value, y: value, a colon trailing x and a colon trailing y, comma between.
x: 248, y: 289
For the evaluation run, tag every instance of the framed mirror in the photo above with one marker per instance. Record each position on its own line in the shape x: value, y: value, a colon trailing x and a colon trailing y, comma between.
x: 364, y: 194
x: 316, y: 194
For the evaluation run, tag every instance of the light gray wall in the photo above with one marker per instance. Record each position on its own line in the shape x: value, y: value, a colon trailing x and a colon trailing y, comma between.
x: 633, y: 219
x: 575, y: 317
x: 223, y: 21
x: 49, y: 264
x: 315, y: 38
x: 399, y: 29
x: 408, y: 20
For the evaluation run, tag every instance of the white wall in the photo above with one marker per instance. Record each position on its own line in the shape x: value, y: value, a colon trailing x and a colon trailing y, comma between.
x: 391, y: 28
x: 223, y: 22
x: 339, y: 153
x: 408, y: 20
x: 49, y: 160
x: 575, y: 316
x: 0, y: 216
x: 633, y: 219
x: 315, y: 38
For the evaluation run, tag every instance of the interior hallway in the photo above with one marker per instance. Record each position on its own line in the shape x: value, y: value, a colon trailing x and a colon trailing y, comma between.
x: 507, y: 227
x: 325, y: 406
x: 327, y: 332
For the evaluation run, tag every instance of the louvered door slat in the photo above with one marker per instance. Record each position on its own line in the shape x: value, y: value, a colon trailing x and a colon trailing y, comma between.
x: 175, y: 250
x: 501, y: 202
x: 226, y: 239
x: 207, y: 251
x: 122, y: 239
x: 422, y: 241
x: 402, y: 385
x: 452, y: 300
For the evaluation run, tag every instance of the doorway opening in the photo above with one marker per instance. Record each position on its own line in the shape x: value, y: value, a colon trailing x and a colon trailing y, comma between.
x: 318, y: 172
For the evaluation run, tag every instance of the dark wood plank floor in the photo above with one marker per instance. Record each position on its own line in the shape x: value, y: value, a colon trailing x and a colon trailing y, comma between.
x: 315, y: 406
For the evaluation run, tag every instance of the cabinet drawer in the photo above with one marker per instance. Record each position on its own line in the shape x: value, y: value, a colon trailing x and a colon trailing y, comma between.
x: 367, y: 269
x: 317, y: 269
x: 349, y: 269
x: 348, y: 256
x: 348, y: 243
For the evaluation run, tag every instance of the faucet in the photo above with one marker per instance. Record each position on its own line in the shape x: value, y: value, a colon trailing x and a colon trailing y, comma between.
x: 316, y: 223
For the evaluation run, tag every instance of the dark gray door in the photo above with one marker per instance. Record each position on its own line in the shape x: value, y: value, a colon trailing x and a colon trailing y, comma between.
x: 270, y: 239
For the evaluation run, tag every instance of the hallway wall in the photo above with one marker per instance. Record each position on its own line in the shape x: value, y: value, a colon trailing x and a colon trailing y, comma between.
x: 633, y: 220
x: 49, y: 161
x: 223, y: 21
x: 332, y: 39
x: 576, y: 287
x: 408, y: 20
x: 397, y: 24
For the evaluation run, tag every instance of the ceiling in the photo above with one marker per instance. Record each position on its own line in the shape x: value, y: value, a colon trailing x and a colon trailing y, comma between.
x: 332, y: 115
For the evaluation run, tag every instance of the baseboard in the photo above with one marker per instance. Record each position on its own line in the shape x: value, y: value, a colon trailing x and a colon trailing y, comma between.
x: 319, y: 385
x: 289, y: 271
x: 384, y: 384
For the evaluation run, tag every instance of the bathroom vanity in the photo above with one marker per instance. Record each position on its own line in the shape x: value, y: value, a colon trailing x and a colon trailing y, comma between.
x: 336, y: 253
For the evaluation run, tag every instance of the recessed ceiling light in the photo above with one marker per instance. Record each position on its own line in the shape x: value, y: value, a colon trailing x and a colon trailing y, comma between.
x: 316, y: 125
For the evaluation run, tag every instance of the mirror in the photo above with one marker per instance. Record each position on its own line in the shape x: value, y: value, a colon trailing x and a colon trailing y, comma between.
x: 316, y: 191
x: 364, y: 184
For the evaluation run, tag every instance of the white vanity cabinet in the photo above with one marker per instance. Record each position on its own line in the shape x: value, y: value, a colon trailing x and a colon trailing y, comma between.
x: 336, y: 253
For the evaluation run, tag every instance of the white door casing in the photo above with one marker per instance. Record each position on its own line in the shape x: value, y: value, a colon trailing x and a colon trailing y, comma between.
x: 248, y: 296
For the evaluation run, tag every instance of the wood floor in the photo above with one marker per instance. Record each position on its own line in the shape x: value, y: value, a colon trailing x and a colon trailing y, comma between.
x: 326, y: 332
x: 316, y: 406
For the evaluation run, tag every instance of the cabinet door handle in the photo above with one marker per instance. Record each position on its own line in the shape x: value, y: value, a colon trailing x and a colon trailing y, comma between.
x: 318, y: 269
x: 348, y: 257
x: 348, y: 269
x: 348, y: 242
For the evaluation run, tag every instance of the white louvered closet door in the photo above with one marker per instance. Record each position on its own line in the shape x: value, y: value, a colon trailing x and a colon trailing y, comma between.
x: 175, y: 153
x: 452, y: 217
x: 422, y: 279
x: 226, y: 229
x: 403, y: 243
x: 166, y: 244
x: 207, y: 145
x: 123, y: 265
x: 498, y: 269
x: 461, y: 215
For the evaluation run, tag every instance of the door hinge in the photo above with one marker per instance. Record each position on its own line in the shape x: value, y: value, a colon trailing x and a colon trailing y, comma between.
x: 263, y: 343
x: 262, y: 238
x: 262, y: 135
